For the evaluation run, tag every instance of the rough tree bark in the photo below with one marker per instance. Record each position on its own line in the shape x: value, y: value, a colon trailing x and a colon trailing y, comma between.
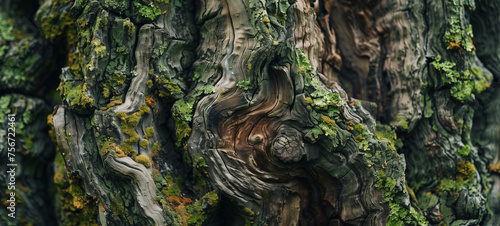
x: 258, y: 112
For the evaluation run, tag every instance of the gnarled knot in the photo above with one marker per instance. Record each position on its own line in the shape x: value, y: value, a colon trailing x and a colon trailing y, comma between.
x: 288, y: 146
x: 255, y: 139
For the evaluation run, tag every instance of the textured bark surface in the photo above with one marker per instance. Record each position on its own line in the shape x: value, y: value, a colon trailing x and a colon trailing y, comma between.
x: 270, y: 112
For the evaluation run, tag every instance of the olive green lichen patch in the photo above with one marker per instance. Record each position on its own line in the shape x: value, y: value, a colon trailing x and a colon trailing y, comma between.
x: 150, y: 132
x: 144, y: 144
x: 128, y: 123
x: 156, y: 147
x: 107, y: 146
x: 482, y: 81
x: 143, y: 159
x: 465, y: 171
x: 166, y: 88
x: 112, y: 84
x: 114, y: 101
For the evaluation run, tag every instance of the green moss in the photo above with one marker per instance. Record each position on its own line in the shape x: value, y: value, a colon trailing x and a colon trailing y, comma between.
x: 205, y: 89
x: 166, y: 87
x: 117, y: 206
x: 144, y: 144
x: 188, y: 212
x: 57, y: 27
x: 156, y: 147
x: 144, y: 160
x: 102, y: 22
x: 173, y: 188
x: 385, y: 185
x: 462, y: 85
x: 182, y: 114
x: 328, y: 126
x: 28, y: 141
x: 150, y: 132
x: 107, y: 146
x: 249, y: 216
x: 384, y: 132
x: 6, y: 28
x: 281, y: 17
x: 481, y: 86
x: 105, y: 92
x: 99, y: 48
x: 4, y: 106
x: 360, y: 128
x: 73, y: 203
x: 399, y: 214
x: 322, y: 98
x: 477, y: 72
x: 243, y: 84
x: 112, y: 84
x: 196, y: 76
x: 446, y: 67
x: 462, y: 90
x: 446, y: 184
x: 400, y: 122
x: 457, y: 37
x: 324, y: 104
x: 148, y: 11
x: 464, y: 177
x: 464, y: 151
x: 466, y: 169
x: 196, y: 212
x: 77, y: 95
x: 129, y: 26
x: 20, y: 70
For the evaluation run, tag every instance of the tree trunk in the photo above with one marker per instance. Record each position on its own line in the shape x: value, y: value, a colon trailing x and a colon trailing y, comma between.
x: 272, y: 112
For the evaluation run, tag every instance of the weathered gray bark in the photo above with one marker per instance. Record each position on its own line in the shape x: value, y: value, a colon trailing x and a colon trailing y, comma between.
x: 269, y: 112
